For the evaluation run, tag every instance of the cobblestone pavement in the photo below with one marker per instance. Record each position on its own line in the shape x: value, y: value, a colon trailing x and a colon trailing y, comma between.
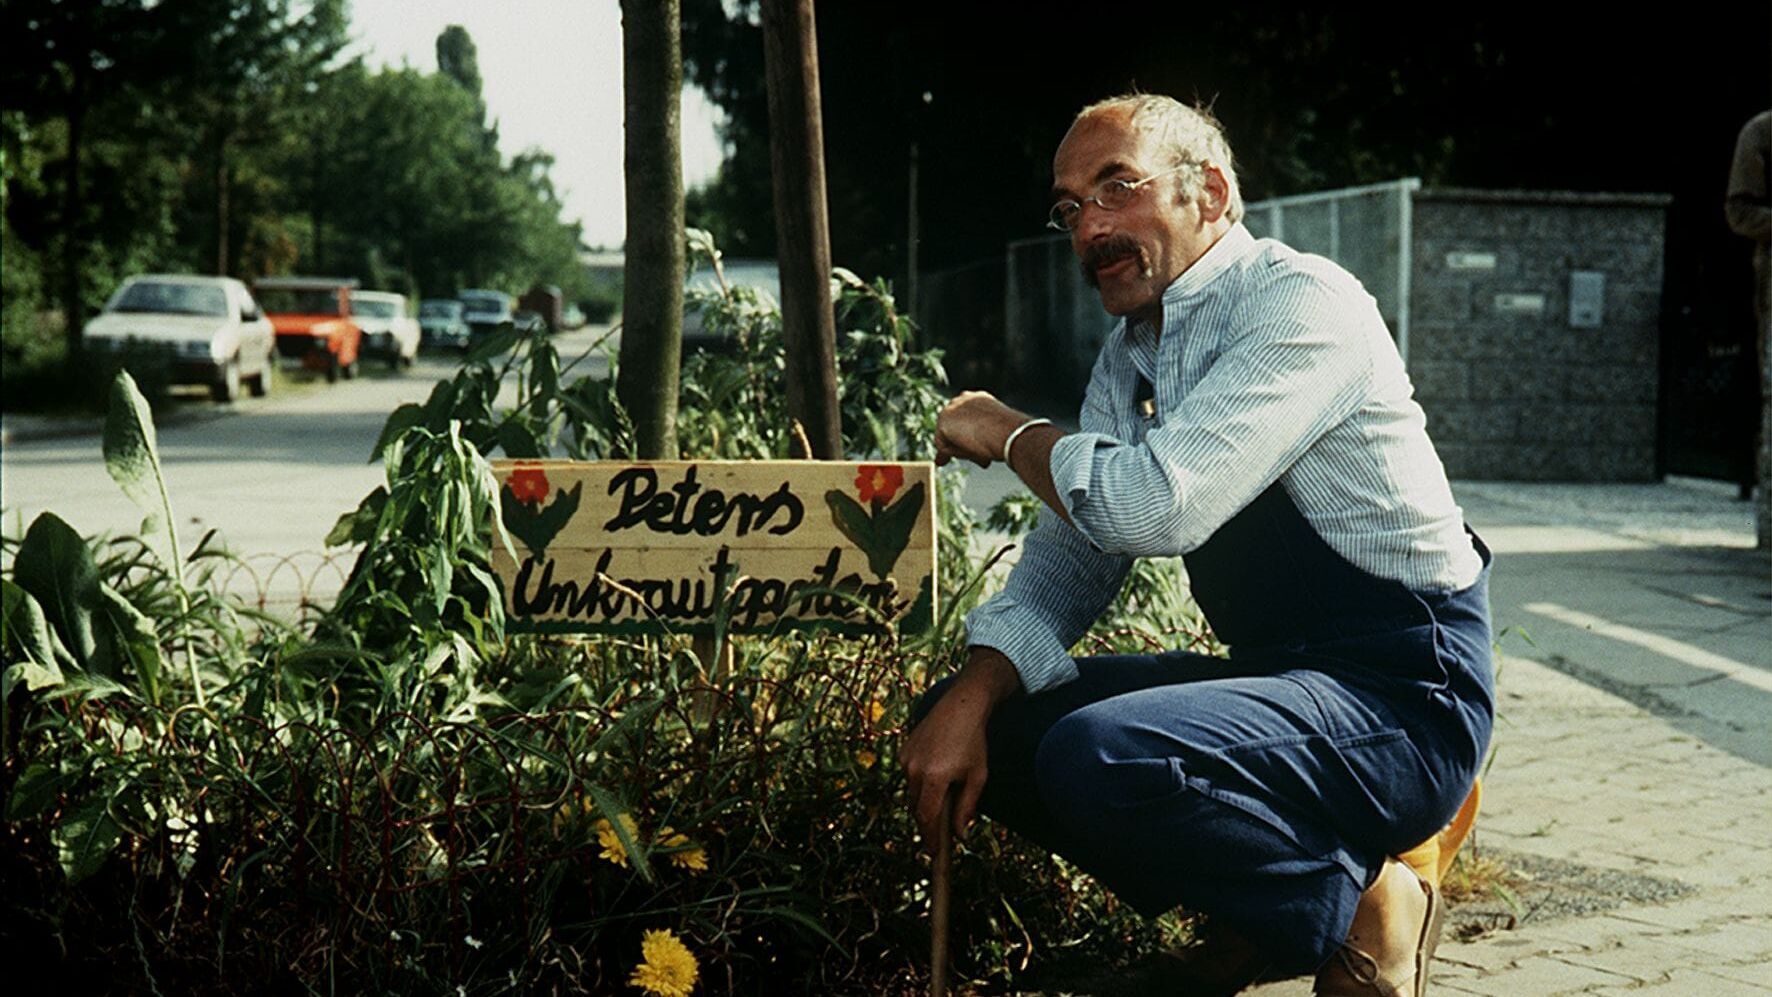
x: 1584, y: 776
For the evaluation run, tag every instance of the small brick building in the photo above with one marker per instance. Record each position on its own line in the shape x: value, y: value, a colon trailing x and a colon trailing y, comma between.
x: 1533, y: 331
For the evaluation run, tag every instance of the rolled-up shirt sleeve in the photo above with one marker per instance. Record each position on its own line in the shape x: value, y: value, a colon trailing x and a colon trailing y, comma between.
x: 1054, y: 594
x: 1057, y: 589
x: 1289, y: 372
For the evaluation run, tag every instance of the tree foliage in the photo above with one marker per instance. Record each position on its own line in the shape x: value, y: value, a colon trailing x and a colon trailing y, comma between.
x: 458, y: 59
x: 231, y: 136
x: 402, y: 190
x: 1491, y: 95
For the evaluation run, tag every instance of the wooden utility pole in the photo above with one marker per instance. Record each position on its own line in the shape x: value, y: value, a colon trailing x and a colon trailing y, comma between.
x: 802, y: 222
x: 910, y: 241
x: 652, y: 305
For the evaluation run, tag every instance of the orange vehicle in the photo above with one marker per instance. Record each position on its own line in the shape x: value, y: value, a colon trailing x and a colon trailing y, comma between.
x: 312, y: 319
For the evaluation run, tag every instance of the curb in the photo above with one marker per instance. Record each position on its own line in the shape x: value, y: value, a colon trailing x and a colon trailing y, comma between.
x: 40, y: 428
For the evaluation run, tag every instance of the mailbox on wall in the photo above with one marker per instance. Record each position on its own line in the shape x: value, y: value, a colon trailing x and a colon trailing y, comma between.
x: 1587, y: 299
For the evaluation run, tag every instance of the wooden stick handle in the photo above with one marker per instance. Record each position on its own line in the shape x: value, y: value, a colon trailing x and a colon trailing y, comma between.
x: 938, y: 899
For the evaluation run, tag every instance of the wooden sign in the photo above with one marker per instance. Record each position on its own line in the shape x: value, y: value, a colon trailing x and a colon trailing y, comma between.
x: 674, y: 546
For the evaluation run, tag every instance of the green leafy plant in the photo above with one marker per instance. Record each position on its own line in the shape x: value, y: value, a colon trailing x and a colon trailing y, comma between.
x: 408, y: 799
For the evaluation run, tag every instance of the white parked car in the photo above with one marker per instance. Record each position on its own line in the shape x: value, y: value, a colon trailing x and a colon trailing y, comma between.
x: 389, y: 331
x: 208, y: 327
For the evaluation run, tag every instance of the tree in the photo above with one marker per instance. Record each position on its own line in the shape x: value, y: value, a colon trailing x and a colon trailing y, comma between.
x: 459, y: 60
x: 157, y: 76
x: 241, y: 67
x: 652, y: 327
x: 61, y: 59
x: 802, y: 225
x: 1312, y: 99
x: 414, y: 198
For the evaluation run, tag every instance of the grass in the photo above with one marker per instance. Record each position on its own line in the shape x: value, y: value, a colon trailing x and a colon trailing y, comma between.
x: 1476, y: 876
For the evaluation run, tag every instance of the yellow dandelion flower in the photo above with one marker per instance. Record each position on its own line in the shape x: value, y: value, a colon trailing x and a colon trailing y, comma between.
x: 667, y: 967
x: 693, y: 859
x: 876, y: 710
x: 866, y: 758
x: 613, y: 849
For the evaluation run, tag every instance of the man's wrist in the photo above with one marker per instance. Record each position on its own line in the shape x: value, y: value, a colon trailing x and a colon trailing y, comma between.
x: 991, y: 673
x: 1015, y: 434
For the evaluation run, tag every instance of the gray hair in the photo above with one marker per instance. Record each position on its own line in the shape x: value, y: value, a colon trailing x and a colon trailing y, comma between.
x: 1187, y: 135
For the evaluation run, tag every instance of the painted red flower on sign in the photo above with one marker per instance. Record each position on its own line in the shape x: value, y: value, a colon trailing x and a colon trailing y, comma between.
x: 528, y: 484
x: 879, y: 482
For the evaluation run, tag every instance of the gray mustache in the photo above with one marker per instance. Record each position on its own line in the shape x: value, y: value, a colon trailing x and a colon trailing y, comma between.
x: 1101, y: 254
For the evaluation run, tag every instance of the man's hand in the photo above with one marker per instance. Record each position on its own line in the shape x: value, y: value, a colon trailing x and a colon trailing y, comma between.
x: 973, y: 426
x: 947, y: 749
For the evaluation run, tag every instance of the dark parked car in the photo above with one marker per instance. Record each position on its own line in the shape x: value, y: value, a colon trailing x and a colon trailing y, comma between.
x: 526, y: 321
x: 546, y: 301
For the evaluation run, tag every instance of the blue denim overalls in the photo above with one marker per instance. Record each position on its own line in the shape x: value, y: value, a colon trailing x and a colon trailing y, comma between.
x: 1264, y: 790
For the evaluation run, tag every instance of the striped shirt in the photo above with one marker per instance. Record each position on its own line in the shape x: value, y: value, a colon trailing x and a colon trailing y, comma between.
x: 1274, y: 366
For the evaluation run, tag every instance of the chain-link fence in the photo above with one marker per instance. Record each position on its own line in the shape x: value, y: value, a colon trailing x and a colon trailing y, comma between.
x: 961, y: 311
x: 1053, y: 321
x: 1365, y: 229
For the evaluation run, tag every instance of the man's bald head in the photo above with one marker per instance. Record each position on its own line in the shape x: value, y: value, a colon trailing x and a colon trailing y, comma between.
x: 1180, y: 134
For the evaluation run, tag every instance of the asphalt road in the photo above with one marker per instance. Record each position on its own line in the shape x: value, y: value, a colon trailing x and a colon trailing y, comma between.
x: 271, y: 475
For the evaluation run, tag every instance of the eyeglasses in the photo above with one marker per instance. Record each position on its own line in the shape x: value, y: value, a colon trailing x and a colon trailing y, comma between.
x: 1112, y: 195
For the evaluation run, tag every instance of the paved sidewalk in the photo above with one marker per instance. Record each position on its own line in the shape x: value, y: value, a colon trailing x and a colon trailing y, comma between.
x: 1635, y: 737
x: 1584, y: 776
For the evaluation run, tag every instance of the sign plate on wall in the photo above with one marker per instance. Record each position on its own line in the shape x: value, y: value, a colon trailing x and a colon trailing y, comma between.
x: 1470, y: 261
x: 1520, y: 304
x: 672, y: 546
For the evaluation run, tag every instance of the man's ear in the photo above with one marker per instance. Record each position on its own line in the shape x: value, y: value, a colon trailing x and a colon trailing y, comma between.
x: 1215, y: 193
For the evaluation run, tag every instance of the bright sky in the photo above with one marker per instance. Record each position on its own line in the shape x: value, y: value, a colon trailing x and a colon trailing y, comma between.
x: 551, y: 77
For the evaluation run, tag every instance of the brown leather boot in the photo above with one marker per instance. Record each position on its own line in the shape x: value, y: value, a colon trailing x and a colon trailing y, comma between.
x: 1392, y: 941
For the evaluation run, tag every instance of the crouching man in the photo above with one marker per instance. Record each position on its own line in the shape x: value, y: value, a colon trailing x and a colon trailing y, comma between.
x: 1249, y: 413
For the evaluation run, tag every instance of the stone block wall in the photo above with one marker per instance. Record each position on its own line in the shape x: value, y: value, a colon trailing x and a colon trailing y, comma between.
x: 1514, y: 388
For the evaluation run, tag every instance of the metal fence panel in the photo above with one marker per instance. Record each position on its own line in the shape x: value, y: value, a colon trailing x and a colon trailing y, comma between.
x: 1366, y: 230
x: 1054, y: 322
x: 961, y: 311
